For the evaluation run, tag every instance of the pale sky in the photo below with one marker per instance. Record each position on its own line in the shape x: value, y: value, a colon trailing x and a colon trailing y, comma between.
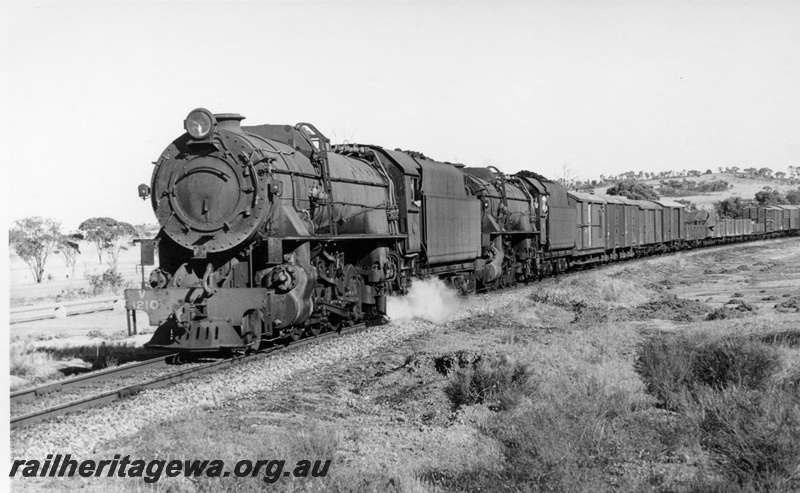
x: 95, y: 91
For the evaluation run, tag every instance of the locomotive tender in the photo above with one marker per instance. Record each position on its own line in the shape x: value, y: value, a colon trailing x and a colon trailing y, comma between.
x: 268, y: 232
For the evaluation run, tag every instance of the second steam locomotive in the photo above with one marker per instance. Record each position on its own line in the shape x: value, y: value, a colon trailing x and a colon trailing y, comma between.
x: 268, y: 232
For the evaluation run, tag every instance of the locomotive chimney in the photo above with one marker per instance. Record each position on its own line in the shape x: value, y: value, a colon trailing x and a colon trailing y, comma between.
x: 229, y: 121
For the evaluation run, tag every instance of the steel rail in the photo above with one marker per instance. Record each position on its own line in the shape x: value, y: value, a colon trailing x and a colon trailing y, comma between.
x: 64, y: 304
x: 32, y: 393
x: 48, y: 311
x: 165, y: 380
x: 52, y: 316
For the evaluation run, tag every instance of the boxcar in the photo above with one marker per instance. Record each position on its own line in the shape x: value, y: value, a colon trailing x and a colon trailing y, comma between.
x: 791, y: 216
x: 590, y: 211
x: 619, y: 222
x: 773, y: 218
x: 634, y: 220
x: 674, y: 220
x: 652, y: 220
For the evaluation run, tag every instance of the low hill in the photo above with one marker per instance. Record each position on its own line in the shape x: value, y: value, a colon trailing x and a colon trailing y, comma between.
x: 739, y: 185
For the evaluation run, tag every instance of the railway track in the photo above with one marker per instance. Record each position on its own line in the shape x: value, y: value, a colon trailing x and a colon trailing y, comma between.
x: 117, y: 393
x: 33, y: 393
x: 101, y: 398
x: 49, y: 311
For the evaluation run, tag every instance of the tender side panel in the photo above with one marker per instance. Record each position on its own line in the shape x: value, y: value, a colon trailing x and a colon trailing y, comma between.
x: 562, y: 222
x: 452, y: 228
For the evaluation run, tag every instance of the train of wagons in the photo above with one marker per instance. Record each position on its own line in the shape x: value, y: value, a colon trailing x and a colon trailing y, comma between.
x: 268, y: 232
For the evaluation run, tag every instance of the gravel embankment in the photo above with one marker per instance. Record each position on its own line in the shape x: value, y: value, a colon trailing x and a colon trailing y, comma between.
x: 80, y: 434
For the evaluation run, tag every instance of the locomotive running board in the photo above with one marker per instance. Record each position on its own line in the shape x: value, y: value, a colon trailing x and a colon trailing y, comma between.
x: 515, y: 233
x: 328, y: 238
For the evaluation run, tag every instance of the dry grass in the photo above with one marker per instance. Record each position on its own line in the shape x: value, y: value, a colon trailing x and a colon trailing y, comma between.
x: 39, y: 365
x: 547, y: 397
x: 656, y: 269
x: 753, y: 435
x: 106, y: 336
x: 674, y: 366
x: 25, y: 361
x: 229, y: 436
x: 588, y: 421
x: 741, y: 396
x: 592, y: 289
x: 563, y: 432
x: 497, y: 382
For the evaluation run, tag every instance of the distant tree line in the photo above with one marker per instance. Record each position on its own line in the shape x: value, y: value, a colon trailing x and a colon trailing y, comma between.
x: 733, y: 207
x: 36, y: 239
x: 668, y: 179
x: 109, y: 236
x: 684, y: 187
x: 793, y: 175
x: 633, y: 190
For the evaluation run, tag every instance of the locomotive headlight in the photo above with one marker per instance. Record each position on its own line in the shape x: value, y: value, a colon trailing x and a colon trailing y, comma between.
x: 199, y: 123
x: 144, y: 191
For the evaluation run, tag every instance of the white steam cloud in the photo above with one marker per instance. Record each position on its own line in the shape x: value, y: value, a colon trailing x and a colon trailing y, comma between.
x: 428, y: 299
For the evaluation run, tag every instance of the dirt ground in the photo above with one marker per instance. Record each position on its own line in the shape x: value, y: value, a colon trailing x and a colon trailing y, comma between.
x: 111, y: 322
x: 43, y: 350
x: 395, y: 424
x: 397, y: 418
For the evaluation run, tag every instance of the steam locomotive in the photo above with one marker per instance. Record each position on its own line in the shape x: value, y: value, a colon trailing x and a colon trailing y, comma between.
x: 269, y: 232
